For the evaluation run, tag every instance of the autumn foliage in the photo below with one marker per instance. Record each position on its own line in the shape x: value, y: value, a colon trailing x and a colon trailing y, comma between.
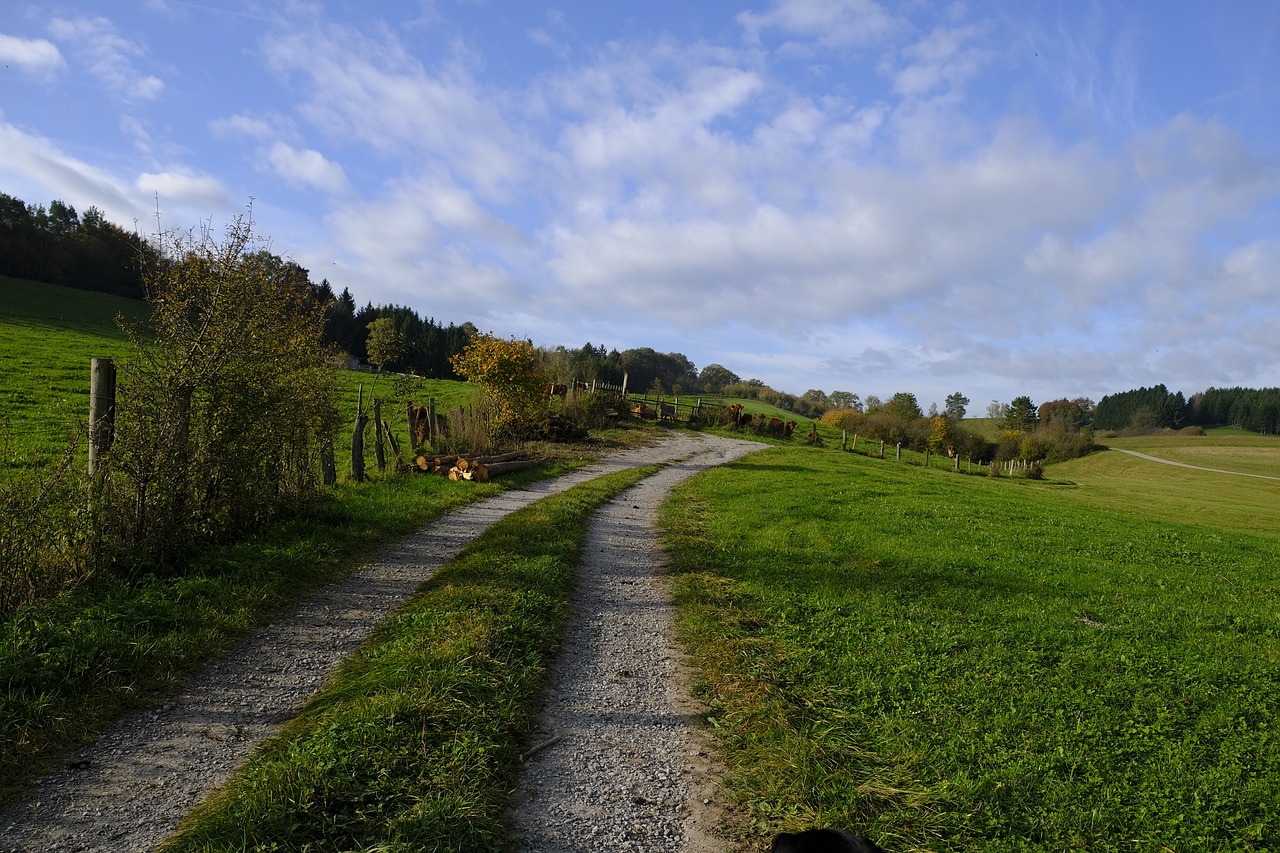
x: 509, y: 375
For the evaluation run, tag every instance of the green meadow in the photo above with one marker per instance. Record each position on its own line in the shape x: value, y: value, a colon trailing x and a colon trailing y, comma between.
x: 963, y: 663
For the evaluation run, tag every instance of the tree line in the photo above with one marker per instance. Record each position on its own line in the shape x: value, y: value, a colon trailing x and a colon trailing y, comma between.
x: 1145, y: 409
x: 59, y: 245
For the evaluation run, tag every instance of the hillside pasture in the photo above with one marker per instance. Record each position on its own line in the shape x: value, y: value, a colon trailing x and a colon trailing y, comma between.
x: 1223, y: 448
x: 1213, y: 502
x: 48, y: 336
x: 953, y: 663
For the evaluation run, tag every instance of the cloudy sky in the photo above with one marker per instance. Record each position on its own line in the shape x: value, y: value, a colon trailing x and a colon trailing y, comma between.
x: 998, y: 198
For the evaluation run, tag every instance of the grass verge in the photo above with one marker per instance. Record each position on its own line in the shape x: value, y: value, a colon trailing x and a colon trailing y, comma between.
x: 415, y: 742
x: 960, y: 663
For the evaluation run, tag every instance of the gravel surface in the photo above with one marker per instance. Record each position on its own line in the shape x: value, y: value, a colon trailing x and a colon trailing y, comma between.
x: 129, y: 789
x: 625, y: 766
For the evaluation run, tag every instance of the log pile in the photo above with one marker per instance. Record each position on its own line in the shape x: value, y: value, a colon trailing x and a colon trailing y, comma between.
x: 476, y: 469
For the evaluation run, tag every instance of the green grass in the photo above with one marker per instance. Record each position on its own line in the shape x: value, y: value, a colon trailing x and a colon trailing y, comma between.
x: 415, y: 744
x: 1223, y: 448
x: 71, y: 664
x: 961, y: 663
x: 48, y: 336
x: 1214, y: 503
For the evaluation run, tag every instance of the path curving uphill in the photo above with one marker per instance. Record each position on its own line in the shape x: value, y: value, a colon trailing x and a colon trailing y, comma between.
x: 1150, y: 458
x: 131, y: 788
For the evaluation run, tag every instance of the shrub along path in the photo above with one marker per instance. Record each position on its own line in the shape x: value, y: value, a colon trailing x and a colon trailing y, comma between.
x: 131, y: 788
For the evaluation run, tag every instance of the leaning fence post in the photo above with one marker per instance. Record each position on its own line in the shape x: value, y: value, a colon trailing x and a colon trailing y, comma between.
x: 102, y: 409
x: 379, y: 454
x: 357, y: 440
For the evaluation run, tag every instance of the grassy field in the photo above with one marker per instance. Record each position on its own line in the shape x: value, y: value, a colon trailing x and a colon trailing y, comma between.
x: 1223, y: 448
x: 1212, y: 502
x: 48, y: 336
x: 961, y: 663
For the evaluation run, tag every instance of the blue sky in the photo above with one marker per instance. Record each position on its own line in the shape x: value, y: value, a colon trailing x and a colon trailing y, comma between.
x: 998, y: 198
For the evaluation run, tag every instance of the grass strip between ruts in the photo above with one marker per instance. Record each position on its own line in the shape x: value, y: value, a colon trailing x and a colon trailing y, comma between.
x: 415, y: 741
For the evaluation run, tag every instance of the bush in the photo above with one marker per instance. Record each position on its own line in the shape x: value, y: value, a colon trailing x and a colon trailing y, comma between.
x: 227, y: 403
x: 509, y: 375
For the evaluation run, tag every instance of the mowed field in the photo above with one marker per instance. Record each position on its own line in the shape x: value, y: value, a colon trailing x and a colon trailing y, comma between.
x: 955, y: 663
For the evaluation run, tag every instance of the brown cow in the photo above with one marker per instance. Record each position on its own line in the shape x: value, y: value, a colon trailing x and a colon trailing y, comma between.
x: 666, y: 411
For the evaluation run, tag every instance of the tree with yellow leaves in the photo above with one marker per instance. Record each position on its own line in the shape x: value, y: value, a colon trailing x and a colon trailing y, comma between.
x: 508, y: 373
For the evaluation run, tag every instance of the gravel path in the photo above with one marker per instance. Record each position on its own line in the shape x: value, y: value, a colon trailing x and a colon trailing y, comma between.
x: 130, y: 789
x: 626, y: 767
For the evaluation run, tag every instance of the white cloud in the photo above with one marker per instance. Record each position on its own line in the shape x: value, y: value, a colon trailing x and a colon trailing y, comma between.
x: 183, y: 187
x: 242, y: 125
x: 307, y: 167
x: 35, y: 167
x: 34, y: 56
x: 831, y: 23
x: 109, y: 56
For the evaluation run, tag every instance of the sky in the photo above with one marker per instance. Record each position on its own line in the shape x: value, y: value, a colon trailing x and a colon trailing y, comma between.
x: 1002, y: 198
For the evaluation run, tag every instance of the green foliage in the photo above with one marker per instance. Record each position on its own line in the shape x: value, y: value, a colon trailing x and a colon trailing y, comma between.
x: 956, y: 663
x: 384, y: 344
x: 1021, y: 414
x: 1141, y: 410
x: 904, y: 407
x: 226, y: 403
x: 954, y: 406
x: 1255, y: 410
x: 58, y: 246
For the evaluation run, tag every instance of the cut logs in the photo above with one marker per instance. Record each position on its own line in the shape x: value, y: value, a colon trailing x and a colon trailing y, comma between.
x: 474, y: 468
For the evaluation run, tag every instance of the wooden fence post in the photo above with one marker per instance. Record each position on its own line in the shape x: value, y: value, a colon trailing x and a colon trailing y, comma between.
x: 102, y: 409
x: 357, y: 440
x: 899, y: 451
x: 926, y: 457
x: 844, y: 440
x: 882, y: 448
x: 431, y: 422
x: 379, y: 454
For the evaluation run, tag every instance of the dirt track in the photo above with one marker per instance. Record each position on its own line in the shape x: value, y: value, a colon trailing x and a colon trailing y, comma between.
x: 130, y: 789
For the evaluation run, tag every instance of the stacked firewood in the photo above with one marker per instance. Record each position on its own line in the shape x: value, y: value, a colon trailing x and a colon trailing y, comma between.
x: 475, y: 468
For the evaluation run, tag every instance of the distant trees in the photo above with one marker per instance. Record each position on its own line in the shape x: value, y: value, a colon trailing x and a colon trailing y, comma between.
x: 903, y: 406
x: 1142, y: 409
x: 955, y: 406
x: 844, y: 400
x: 1021, y: 414
x: 1256, y: 410
x: 59, y: 246
x: 714, y: 377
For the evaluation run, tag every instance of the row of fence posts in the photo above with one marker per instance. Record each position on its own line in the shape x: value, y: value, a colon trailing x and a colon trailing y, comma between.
x: 844, y: 445
x: 102, y: 410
